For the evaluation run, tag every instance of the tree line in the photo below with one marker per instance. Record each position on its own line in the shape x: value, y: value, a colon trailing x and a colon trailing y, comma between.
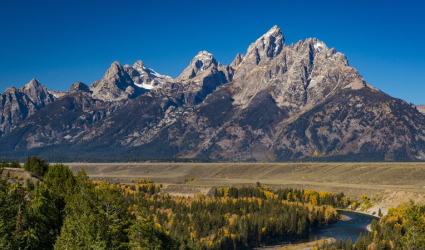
x: 67, y: 211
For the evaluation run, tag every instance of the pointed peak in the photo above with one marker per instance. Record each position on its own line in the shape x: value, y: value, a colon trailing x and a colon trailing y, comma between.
x: 116, y: 64
x: 78, y: 86
x: 268, y: 45
x: 238, y: 59
x: 319, y: 45
x: 274, y: 31
x: 139, y: 64
x: 115, y: 68
x: 203, y: 60
x: 127, y: 65
x: 34, y: 82
x: 274, y: 34
x: 204, y: 54
x: 11, y: 89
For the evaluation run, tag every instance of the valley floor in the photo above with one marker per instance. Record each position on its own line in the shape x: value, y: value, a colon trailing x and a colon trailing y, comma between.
x: 354, y: 179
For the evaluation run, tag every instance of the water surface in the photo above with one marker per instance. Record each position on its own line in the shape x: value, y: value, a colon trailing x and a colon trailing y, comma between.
x: 351, y: 227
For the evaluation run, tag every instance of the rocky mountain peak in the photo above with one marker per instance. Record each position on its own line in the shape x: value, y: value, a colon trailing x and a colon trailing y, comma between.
x: 139, y: 65
x: 115, y: 69
x: 276, y: 102
x: 146, y: 78
x: 113, y: 85
x: 37, y: 93
x: 266, y: 47
x: 78, y: 86
x: 204, y: 60
x: 238, y: 59
x: 200, y: 63
x: 10, y: 89
x: 34, y: 83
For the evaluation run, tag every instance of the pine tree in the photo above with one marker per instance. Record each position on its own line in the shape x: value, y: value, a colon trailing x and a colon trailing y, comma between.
x: 142, y: 233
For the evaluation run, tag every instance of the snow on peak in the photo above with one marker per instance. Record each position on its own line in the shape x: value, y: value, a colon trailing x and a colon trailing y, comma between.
x: 153, y: 73
x: 204, y: 54
x: 148, y: 78
x: 203, y: 60
x: 144, y: 85
x: 319, y: 46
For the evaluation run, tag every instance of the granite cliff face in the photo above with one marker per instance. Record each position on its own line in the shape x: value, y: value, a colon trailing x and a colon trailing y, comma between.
x: 18, y: 104
x: 276, y: 102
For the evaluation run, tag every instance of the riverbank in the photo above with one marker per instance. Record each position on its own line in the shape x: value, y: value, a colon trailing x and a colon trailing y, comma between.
x: 306, y: 246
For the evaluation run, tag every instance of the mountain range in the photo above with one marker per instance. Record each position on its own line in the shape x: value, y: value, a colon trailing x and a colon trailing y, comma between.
x: 276, y: 102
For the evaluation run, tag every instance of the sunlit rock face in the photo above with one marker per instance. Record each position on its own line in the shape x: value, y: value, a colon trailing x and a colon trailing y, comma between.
x: 276, y: 102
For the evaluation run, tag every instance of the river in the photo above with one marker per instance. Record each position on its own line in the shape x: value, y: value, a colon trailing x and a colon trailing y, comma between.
x: 350, y: 227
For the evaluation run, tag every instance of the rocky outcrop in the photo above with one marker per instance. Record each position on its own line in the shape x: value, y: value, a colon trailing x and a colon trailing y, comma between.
x: 79, y: 86
x: 203, y: 75
x: 18, y: 104
x: 200, y: 64
x: 37, y: 93
x: 421, y: 108
x: 146, y: 78
x: 237, y: 61
x: 116, y: 85
x: 266, y: 47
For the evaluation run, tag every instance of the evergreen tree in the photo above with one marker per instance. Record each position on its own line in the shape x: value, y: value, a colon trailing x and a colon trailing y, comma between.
x: 4, y: 163
x: 12, y: 216
x: 15, y: 164
x: 36, y: 166
x: 414, y: 237
x: 41, y: 226
x: 96, y: 218
x: 142, y: 232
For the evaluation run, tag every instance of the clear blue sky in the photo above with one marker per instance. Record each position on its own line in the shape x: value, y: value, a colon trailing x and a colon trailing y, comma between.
x: 61, y: 42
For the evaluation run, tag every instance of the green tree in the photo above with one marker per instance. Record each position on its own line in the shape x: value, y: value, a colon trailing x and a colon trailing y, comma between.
x: 414, y: 238
x: 12, y: 215
x: 142, y: 232
x: 36, y: 166
x: 15, y: 164
x: 4, y: 163
x: 41, y: 227
x: 61, y: 183
x: 60, y: 180
x: 96, y: 218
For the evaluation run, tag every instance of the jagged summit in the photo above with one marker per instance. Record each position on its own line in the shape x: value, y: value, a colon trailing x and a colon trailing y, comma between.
x: 204, y: 60
x: 31, y: 84
x: 200, y: 63
x: 10, y: 89
x: 78, y: 86
x: 37, y: 92
x: 238, y: 59
x: 146, y: 78
x: 138, y: 64
x: 268, y: 46
x: 278, y: 102
x: 115, y: 85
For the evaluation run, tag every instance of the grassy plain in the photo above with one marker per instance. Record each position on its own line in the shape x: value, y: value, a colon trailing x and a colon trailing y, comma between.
x: 354, y: 179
